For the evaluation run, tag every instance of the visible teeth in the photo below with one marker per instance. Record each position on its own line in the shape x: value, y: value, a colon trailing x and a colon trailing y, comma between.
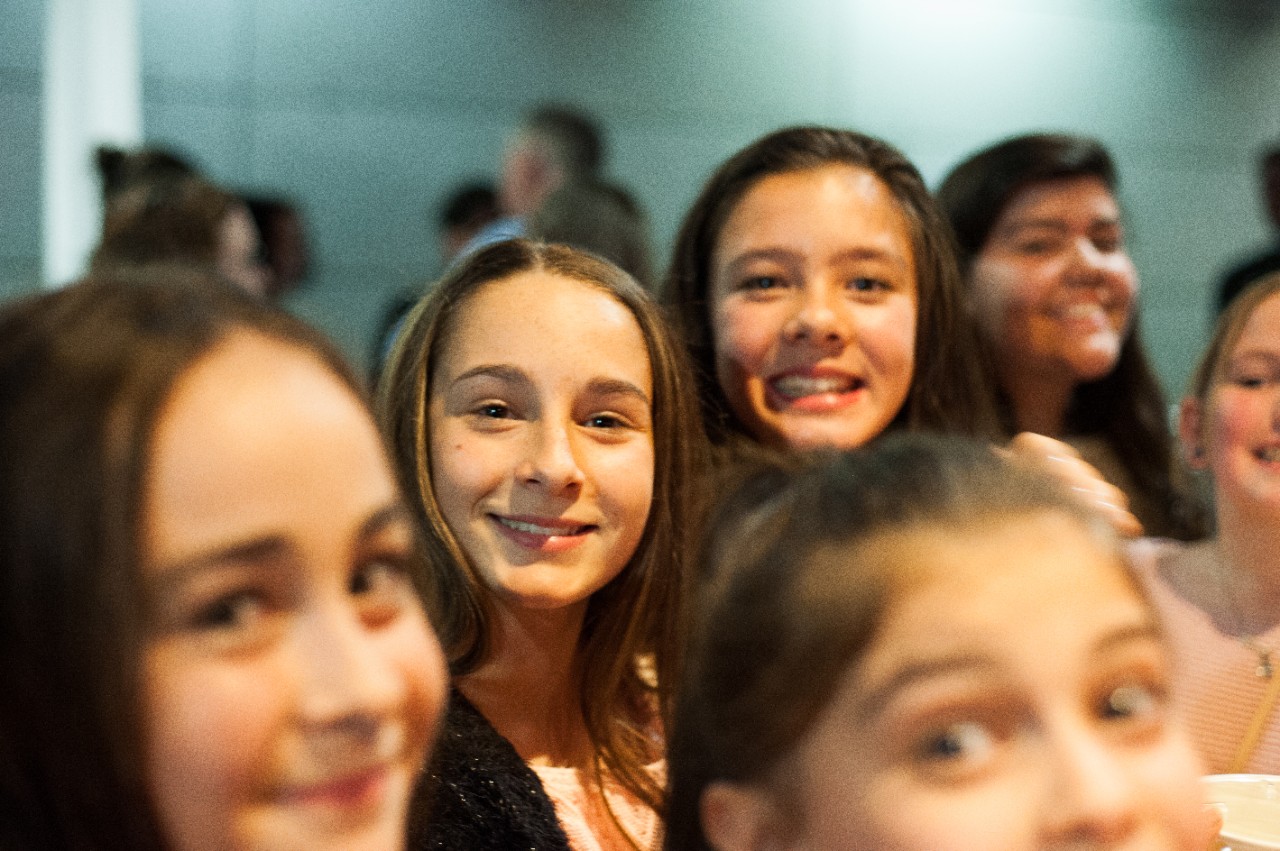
x: 535, y: 529
x: 800, y: 385
x: 1082, y: 311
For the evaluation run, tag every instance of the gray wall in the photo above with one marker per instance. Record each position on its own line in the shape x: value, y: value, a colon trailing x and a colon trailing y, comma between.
x: 369, y: 112
x: 21, y: 34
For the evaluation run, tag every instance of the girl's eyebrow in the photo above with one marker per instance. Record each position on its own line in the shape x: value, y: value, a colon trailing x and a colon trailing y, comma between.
x: 388, y: 515
x: 1270, y: 357
x: 264, y: 551
x: 1055, y: 224
x: 617, y: 386
x: 1144, y: 630
x: 500, y: 371
x: 785, y: 255
x: 919, y: 671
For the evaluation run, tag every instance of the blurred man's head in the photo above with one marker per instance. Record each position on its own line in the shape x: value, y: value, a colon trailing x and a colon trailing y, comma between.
x: 553, y: 145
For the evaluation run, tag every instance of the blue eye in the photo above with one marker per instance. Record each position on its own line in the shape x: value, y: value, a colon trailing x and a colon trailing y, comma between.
x: 761, y: 282
x: 867, y: 285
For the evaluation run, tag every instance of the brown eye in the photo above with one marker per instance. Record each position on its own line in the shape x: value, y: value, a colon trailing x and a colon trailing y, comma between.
x: 232, y: 611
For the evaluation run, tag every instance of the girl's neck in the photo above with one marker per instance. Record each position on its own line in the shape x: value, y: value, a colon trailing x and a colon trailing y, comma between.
x: 1040, y: 400
x: 529, y: 686
x: 1247, y: 548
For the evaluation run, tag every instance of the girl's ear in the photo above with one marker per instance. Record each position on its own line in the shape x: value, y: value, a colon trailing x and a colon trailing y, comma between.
x: 1191, y: 433
x: 736, y: 817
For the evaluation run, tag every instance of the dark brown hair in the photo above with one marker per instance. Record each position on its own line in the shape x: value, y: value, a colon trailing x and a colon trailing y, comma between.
x: 949, y: 390
x: 1126, y: 407
x: 799, y: 586
x: 639, y: 613
x: 170, y: 220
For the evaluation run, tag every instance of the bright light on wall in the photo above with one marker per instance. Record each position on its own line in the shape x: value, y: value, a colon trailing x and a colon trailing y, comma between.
x: 92, y: 96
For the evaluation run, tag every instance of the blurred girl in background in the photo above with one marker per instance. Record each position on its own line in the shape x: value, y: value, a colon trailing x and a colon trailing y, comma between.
x: 1042, y: 245
x: 1221, y: 597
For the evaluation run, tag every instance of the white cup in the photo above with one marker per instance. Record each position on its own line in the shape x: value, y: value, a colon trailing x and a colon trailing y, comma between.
x: 1250, y: 807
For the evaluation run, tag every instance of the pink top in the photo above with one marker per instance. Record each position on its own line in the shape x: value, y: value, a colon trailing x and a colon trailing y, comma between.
x: 579, y: 808
x: 1217, y: 683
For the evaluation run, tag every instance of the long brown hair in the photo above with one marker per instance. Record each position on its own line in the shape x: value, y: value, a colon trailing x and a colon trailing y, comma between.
x: 84, y: 374
x: 637, y: 614
x: 949, y: 390
x: 1126, y: 407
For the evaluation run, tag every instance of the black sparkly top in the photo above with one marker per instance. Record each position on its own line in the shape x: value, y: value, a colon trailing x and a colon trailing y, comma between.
x: 477, y: 794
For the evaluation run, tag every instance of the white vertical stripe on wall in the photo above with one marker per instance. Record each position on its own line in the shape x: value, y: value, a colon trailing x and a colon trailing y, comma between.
x: 92, y: 95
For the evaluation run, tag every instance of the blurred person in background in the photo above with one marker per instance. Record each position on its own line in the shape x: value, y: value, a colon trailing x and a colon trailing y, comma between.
x: 157, y: 210
x: 553, y: 145
x: 464, y: 212
x: 1055, y: 294
x: 284, y: 242
x: 1268, y: 261
x: 601, y: 217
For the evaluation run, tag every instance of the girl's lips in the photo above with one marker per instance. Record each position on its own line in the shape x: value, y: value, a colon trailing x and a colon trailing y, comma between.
x: 1089, y: 316
x: 358, y: 791
x: 546, y: 535
x: 814, y: 392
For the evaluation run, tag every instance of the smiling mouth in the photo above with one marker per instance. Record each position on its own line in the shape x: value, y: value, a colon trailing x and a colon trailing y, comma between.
x: 527, y: 527
x: 1088, y: 311
x: 793, y: 387
x: 1269, y: 454
x: 353, y: 791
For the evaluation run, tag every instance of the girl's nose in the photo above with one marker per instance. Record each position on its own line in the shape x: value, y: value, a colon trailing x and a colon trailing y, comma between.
x: 818, y: 318
x: 551, y: 460
x: 1093, y: 799
x: 348, y: 684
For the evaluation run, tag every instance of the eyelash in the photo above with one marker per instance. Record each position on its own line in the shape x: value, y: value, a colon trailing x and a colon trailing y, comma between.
x: 1117, y: 704
x: 493, y: 410
x: 873, y: 285
x: 606, y: 421
x: 381, y: 585
x: 1106, y: 245
x: 761, y: 283
x: 945, y: 745
x: 228, y: 611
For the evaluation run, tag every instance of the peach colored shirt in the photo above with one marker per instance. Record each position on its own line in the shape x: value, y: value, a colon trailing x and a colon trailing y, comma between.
x: 1216, y: 681
x: 578, y: 808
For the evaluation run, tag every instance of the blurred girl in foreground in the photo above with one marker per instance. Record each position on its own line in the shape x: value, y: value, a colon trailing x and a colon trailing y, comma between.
x: 924, y: 646
x: 210, y: 632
